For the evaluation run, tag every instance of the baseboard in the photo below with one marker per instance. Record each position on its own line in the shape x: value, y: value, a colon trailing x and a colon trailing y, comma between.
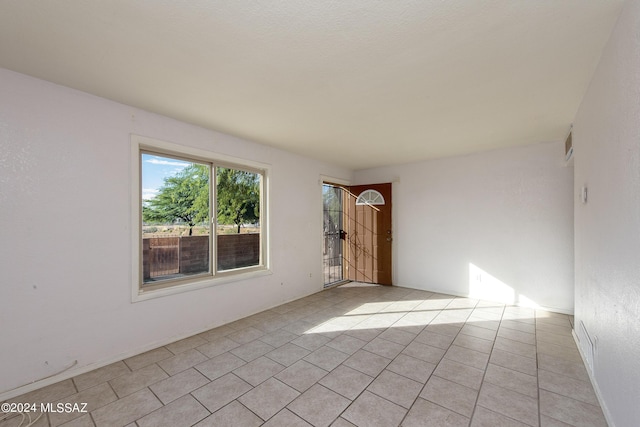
x: 594, y: 383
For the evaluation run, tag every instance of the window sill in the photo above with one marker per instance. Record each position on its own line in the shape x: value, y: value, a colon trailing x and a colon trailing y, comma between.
x: 220, y: 279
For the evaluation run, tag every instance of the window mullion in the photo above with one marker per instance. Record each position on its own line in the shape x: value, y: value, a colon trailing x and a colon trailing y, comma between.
x: 213, y: 222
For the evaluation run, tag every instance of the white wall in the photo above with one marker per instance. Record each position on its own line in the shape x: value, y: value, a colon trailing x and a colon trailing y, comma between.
x: 65, y: 252
x: 607, y: 227
x: 505, y: 215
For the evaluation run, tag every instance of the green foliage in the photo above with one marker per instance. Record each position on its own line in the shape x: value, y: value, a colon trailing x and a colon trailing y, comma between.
x: 183, y: 196
x: 238, y: 197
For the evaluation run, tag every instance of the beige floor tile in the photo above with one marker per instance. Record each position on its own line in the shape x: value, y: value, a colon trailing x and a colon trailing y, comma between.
x: 512, y: 380
x: 326, y: 358
x: 185, y: 411
x: 278, y: 338
x: 546, y: 421
x: 268, y: 398
x: 341, y: 422
x: 286, y: 418
x: 553, y: 319
x: 515, y: 347
x: 482, y: 322
x: 301, y: 375
x: 299, y: 327
x: 182, y: 361
x: 364, y: 333
x: 560, y: 352
x: 478, y: 332
x: 412, y: 368
x: 185, y: 344
x: 467, y: 356
x: 258, y: 370
x: 252, y: 350
x: 515, y: 335
x: 220, y: 365
x: 137, y: 380
x: 378, y: 353
x: 100, y: 375
x: 94, y: 397
x: 126, y: 410
x: 526, y: 365
x: 222, y: 391
x: 83, y: 421
x: 216, y: 333
x: 396, y: 388
x: 557, y: 339
x: 568, y: 368
x: 398, y: 335
x: 506, y: 402
x: 518, y: 326
x: 424, y: 352
x: 520, y: 314
x: 383, y: 348
x: 346, y: 343
x: 434, y: 340
x: 465, y: 375
x: 246, y: 335
x: 567, y: 386
x: 369, y: 410
x: 483, y: 417
x: 367, y: 363
x: 346, y: 381
x: 50, y: 393
x: 571, y: 411
x: 319, y: 406
x: 288, y: 354
x: 311, y: 342
x: 450, y: 395
x: 416, y: 320
x: 178, y: 385
x: 232, y: 415
x: 217, y: 347
x: 474, y: 343
x: 147, y: 358
x: 556, y: 329
x: 426, y: 414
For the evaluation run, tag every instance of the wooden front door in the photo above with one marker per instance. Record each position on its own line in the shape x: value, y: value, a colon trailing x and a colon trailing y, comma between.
x: 369, y: 235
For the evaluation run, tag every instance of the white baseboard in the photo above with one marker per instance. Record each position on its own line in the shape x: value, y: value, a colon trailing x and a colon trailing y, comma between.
x: 594, y: 383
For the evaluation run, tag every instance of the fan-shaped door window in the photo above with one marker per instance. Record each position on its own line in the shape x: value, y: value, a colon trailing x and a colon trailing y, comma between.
x: 370, y: 197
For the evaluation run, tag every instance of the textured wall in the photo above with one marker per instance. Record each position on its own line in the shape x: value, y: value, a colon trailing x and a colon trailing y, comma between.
x: 65, y: 184
x: 495, y: 225
x: 607, y: 241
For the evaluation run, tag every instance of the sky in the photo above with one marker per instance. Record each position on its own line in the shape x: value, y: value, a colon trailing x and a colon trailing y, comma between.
x: 155, y: 169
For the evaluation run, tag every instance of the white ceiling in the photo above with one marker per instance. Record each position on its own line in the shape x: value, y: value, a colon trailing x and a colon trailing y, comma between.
x: 360, y: 83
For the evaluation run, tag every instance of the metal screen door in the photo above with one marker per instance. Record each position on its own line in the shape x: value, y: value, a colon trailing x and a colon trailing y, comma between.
x: 332, y: 253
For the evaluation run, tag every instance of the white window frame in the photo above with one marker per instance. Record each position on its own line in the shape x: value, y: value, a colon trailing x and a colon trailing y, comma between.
x: 140, y: 144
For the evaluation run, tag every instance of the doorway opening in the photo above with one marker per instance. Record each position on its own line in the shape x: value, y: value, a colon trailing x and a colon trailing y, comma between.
x: 333, y: 231
x: 357, y: 233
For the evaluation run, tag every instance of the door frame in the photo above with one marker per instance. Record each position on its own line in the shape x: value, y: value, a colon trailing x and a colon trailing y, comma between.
x: 346, y: 252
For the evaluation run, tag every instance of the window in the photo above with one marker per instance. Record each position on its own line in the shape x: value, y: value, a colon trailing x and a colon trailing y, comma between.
x: 201, y: 219
x: 370, y: 197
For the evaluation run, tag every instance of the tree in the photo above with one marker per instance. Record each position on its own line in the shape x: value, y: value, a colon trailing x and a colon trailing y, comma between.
x: 183, y: 196
x: 238, y: 197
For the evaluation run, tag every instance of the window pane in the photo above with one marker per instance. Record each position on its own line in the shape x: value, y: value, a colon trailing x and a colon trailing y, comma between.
x: 238, y: 208
x: 175, y: 218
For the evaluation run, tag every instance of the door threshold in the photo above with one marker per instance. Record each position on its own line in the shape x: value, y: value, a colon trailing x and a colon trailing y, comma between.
x: 336, y: 284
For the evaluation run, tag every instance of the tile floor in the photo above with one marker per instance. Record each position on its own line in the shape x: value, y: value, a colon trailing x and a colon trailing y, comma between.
x: 350, y: 356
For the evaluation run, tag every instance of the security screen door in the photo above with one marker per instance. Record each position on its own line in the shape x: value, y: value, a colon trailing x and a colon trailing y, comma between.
x: 357, y: 233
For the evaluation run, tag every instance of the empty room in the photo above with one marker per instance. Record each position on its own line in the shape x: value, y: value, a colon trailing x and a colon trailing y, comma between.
x: 320, y: 213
